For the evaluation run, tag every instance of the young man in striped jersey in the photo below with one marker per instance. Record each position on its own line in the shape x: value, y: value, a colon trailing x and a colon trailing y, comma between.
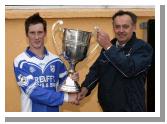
x: 39, y: 72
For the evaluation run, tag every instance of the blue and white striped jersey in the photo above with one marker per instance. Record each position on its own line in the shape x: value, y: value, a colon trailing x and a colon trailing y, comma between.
x: 38, y: 80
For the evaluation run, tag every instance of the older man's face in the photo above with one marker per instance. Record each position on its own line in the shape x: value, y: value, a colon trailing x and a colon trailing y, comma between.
x: 123, y: 28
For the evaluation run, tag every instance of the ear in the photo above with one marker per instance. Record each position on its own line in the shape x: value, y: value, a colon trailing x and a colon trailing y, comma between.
x: 134, y: 27
x: 45, y: 33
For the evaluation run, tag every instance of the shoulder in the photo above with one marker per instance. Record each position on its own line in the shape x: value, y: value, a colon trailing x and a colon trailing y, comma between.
x: 22, y: 56
x: 54, y: 57
x: 139, y: 43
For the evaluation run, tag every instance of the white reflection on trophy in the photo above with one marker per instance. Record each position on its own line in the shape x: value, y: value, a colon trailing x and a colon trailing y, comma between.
x: 75, y: 44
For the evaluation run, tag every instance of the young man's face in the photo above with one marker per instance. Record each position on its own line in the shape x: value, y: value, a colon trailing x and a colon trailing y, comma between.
x: 36, y: 35
x: 123, y: 28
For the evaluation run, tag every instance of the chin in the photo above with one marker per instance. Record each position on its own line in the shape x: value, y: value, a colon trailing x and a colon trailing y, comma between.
x: 37, y: 47
x: 121, y: 40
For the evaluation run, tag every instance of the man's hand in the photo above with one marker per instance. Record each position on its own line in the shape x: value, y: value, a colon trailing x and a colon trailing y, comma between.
x: 103, y: 39
x: 75, y: 76
x: 82, y: 93
x: 72, y: 98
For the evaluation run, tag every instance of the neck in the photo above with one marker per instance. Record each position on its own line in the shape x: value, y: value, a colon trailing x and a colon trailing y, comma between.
x: 38, y: 52
x: 121, y: 43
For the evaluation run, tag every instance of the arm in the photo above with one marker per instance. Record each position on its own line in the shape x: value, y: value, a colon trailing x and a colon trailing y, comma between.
x: 92, y: 77
x: 137, y: 61
x: 90, y: 81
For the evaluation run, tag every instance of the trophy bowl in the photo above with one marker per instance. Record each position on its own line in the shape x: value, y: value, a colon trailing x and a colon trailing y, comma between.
x: 75, y: 44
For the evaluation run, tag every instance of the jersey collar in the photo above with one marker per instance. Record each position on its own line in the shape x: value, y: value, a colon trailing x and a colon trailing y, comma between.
x: 31, y: 54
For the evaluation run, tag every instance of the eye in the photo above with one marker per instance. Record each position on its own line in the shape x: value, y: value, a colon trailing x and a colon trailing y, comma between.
x: 40, y: 32
x: 125, y: 26
x: 117, y: 26
x: 31, y: 32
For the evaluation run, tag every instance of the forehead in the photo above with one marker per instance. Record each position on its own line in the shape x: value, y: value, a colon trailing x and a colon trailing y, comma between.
x: 38, y: 26
x: 123, y: 19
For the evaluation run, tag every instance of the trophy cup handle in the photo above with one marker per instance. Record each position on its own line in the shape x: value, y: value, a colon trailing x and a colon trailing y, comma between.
x: 56, y: 27
x: 94, y: 34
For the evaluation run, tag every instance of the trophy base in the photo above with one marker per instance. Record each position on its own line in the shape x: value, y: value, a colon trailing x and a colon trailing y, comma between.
x: 70, y: 86
x: 69, y: 89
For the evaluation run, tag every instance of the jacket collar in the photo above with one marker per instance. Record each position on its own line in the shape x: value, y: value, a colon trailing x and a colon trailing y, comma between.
x: 128, y: 44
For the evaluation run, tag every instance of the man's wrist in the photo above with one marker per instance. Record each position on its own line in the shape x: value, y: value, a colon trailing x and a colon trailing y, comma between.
x: 108, y: 47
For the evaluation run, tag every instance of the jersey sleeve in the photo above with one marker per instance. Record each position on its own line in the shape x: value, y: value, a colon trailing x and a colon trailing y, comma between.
x: 62, y: 72
x: 37, y: 94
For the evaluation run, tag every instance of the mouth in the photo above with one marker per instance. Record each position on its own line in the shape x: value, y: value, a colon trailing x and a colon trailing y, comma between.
x: 121, y: 35
x: 37, y: 41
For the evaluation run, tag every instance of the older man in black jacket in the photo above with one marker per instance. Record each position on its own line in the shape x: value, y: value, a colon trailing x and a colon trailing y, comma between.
x: 121, y: 68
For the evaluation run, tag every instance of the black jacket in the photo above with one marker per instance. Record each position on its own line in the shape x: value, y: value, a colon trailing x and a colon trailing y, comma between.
x: 121, y: 74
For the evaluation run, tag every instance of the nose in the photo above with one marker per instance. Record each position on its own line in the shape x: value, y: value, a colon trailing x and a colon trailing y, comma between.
x: 36, y: 36
x: 121, y: 29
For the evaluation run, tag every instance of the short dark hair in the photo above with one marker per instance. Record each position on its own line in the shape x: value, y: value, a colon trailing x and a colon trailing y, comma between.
x: 121, y: 12
x: 34, y: 19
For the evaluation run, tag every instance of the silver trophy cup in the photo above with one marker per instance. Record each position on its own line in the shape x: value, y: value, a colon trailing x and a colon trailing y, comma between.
x: 74, y: 49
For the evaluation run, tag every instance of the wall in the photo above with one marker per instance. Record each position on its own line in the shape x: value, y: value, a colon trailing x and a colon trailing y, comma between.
x: 84, y: 19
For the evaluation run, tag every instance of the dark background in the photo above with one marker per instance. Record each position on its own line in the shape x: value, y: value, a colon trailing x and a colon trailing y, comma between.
x: 150, y: 105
